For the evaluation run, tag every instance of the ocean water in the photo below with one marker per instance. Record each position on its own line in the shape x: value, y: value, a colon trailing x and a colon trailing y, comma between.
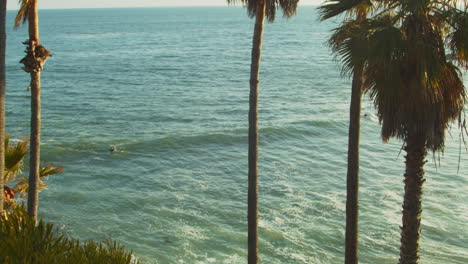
x: 169, y: 88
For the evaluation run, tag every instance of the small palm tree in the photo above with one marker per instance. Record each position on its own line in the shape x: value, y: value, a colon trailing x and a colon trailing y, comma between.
x: 258, y: 9
x: 14, y: 163
x: 36, y: 56
x: 349, y: 43
x: 3, y: 5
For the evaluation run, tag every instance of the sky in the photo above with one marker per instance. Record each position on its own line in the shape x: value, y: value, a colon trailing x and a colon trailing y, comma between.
x: 53, y: 4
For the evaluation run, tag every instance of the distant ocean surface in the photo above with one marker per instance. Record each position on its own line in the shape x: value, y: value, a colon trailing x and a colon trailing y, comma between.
x: 169, y: 88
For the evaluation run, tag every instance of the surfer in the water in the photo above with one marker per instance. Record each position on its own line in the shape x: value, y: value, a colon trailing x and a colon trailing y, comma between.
x: 112, y: 149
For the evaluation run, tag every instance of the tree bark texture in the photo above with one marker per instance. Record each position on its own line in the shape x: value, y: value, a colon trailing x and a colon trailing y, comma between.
x: 352, y: 182
x: 35, y: 147
x: 33, y: 61
x: 253, y: 135
x: 2, y: 98
x: 414, y: 179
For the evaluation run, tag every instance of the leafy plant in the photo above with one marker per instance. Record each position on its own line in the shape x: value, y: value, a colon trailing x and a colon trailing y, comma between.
x: 23, y: 241
x: 16, y: 185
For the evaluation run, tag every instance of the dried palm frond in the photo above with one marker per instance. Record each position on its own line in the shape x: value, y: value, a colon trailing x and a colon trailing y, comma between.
x: 23, y: 12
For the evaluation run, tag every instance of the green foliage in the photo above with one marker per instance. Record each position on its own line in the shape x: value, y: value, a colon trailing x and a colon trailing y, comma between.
x: 14, y: 156
x: 22, y: 241
x: 14, y: 162
x: 415, y: 85
x: 333, y: 8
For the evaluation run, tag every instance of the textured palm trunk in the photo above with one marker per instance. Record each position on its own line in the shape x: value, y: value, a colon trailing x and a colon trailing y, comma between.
x: 2, y: 98
x: 352, y: 178
x: 35, y: 70
x: 414, y: 179
x: 352, y: 184
x: 35, y: 148
x: 253, y: 135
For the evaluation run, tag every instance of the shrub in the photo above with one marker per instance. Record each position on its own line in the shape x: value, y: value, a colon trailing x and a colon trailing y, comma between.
x: 23, y: 241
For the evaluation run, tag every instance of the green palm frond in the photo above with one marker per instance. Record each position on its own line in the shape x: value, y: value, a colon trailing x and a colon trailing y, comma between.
x: 21, y: 188
x: 451, y: 98
x: 349, y: 43
x: 14, y: 159
x: 386, y: 43
x: 458, y: 39
x: 384, y: 79
x: 288, y: 7
x: 414, y: 88
x: 14, y: 156
x: 22, y: 185
x: 23, y: 12
x: 334, y: 8
x: 50, y: 169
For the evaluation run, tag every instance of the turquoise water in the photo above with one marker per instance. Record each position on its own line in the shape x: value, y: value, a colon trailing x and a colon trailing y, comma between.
x: 169, y: 88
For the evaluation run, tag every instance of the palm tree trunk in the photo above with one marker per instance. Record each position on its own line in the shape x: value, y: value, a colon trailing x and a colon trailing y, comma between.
x: 35, y: 148
x: 35, y: 71
x: 253, y: 134
x: 2, y: 98
x: 352, y: 184
x: 414, y: 179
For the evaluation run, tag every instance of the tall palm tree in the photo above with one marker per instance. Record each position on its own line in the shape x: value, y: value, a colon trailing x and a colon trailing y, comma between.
x: 3, y: 5
x: 416, y: 90
x: 348, y: 43
x: 258, y: 9
x: 36, y: 56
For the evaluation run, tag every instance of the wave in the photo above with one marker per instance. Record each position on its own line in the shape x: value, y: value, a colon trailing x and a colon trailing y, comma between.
x: 175, y: 142
x: 92, y: 35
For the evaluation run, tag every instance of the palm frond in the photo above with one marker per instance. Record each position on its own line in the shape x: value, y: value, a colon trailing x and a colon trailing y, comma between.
x: 50, y: 169
x: 288, y: 7
x: 349, y: 43
x: 458, y: 39
x: 386, y: 42
x: 23, y: 12
x: 14, y: 156
x: 451, y: 98
x: 414, y: 88
x: 22, y: 185
x: 384, y: 79
x: 334, y: 8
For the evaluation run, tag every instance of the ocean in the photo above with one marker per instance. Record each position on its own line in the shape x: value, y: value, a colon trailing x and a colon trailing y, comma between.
x: 169, y: 88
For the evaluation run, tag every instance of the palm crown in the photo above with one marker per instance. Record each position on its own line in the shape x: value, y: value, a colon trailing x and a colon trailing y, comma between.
x: 415, y: 87
x: 408, y: 64
x: 288, y: 7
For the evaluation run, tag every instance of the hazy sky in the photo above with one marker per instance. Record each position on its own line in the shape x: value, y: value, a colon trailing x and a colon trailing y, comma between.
x: 46, y: 4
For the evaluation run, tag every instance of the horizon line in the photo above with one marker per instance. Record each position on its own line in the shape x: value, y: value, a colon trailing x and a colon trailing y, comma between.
x: 164, y: 6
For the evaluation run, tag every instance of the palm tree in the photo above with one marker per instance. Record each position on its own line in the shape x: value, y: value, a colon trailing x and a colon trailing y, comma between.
x: 348, y: 42
x: 416, y: 90
x: 2, y: 94
x: 36, y: 56
x: 258, y: 9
